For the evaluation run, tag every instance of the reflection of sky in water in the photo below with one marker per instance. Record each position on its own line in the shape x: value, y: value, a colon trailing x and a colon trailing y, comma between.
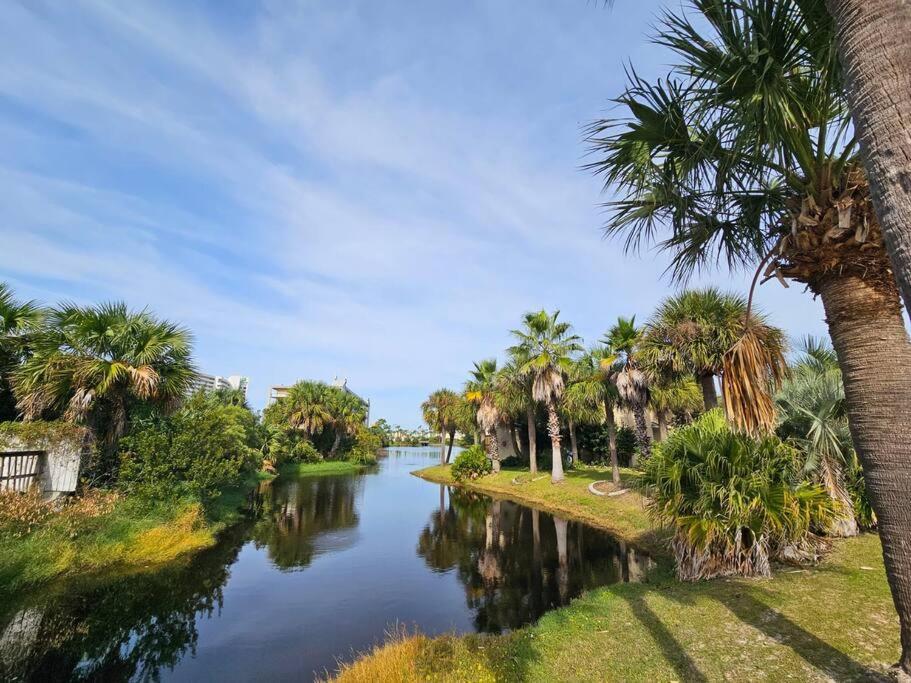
x: 327, y: 568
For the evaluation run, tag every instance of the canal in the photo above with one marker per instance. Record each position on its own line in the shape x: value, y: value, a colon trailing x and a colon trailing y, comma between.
x: 323, y: 569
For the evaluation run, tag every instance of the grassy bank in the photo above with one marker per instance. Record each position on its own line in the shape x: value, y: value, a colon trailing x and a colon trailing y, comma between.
x: 306, y: 469
x: 624, y: 516
x: 834, y: 621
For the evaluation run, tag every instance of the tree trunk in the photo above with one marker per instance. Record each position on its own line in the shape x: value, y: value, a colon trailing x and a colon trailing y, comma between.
x: 874, y: 44
x: 709, y: 394
x: 642, y: 435
x: 562, y: 559
x: 451, y: 439
x: 335, y: 443
x: 573, y: 442
x: 662, y: 425
x: 612, y: 442
x: 874, y: 353
x: 553, y: 430
x: 442, y: 446
x: 532, y: 439
x: 493, y: 451
x: 515, y: 442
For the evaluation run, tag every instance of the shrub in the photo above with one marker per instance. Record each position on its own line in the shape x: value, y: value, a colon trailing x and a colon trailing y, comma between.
x: 733, y: 502
x: 366, y: 444
x: 199, y: 449
x: 595, y: 440
x: 21, y: 513
x: 303, y: 450
x: 471, y: 464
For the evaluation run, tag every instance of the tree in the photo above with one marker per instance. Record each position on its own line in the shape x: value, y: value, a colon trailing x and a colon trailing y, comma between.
x: 546, y: 346
x: 812, y: 416
x: 481, y: 391
x: 97, y: 364
x: 675, y: 395
x: 348, y: 413
x: 583, y: 401
x: 305, y: 408
x: 623, y: 341
x: 514, y: 398
x: 874, y: 44
x: 439, y: 411
x: 691, y: 332
x: 746, y: 154
x: 18, y: 321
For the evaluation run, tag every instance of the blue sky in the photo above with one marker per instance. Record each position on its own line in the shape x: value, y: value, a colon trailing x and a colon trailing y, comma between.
x: 362, y: 189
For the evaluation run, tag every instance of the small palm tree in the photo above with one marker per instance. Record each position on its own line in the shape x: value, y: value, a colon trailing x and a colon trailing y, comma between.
x: 96, y: 364
x: 440, y: 414
x: 348, y: 413
x: 623, y: 341
x: 305, y: 408
x: 513, y: 398
x: 676, y: 395
x: 547, y: 347
x: 583, y: 399
x: 481, y: 391
x: 18, y: 321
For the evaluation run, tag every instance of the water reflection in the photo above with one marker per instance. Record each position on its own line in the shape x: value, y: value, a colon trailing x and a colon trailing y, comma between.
x: 305, y: 517
x: 515, y: 563
x: 127, y: 628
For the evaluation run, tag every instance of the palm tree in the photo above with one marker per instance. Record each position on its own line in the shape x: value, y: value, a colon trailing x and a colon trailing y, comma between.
x: 874, y: 47
x: 676, y: 395
x: 18, y: 321
x: 439, y: 411
x: 547, y: 345
x: 514, y: 398
x: 691, y: 332
x: 746, y: 153
x: 95, y: 364
x: 305, y: 408
x: 348, y: 413
x: 583, y: 399
x: 623, y: 341
x: 481, y: 390
x: 812, y: 415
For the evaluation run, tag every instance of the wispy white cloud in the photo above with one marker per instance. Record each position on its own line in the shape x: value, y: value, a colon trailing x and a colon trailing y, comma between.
x: 324, y: 188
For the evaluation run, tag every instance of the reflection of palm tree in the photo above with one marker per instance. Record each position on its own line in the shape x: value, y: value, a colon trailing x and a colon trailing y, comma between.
x: 562, y: 559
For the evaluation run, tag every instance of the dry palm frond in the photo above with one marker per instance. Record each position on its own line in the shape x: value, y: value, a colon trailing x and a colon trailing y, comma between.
x: 752, y: 371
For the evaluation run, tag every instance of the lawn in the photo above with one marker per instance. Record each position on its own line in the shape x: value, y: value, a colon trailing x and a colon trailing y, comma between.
x: 834, y: 621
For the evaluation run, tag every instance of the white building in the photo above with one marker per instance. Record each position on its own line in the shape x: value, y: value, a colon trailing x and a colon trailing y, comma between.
x: 205, y: 382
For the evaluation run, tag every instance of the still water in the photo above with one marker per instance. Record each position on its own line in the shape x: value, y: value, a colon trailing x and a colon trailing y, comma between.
x: 324, y: 567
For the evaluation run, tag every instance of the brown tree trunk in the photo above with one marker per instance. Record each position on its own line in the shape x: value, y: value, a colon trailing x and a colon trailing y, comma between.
x: 709, y: 394
x: 553, y: 430
x: 442, y: 446
x: 874, y: 44
x: 532, y: 439
x: 573, y: 442
x: 612, y: 442
x: 493, y: 450
x: 451, y: 439
x: 874, y: 352
x: 662, y: 425
x: 642, y: 435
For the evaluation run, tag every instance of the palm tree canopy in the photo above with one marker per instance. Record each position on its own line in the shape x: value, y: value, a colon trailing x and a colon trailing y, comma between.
x: 85, y: 354
x: 547, y: 346
x: 751, y: 117
x: 440, y: 410
x: 480, y: 391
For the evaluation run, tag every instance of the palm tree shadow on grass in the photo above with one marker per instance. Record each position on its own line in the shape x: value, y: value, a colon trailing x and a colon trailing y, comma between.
x: 812, y: 649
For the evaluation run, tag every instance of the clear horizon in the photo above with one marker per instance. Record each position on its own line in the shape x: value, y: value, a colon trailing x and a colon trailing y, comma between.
x: 340, y: 190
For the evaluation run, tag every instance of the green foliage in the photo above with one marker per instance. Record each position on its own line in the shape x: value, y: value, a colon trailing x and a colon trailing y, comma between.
x: 302, y: 450
x: 18, y: 322
x: 366, y: 444
x: 471, y: 464
x: 40, y: 433
x: 596, y: 440
x: 732, y: 501
x: 199, y: 449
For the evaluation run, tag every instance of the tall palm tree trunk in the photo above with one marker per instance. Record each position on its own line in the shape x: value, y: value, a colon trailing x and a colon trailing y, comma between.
x: 553, y: 430
x: 451, y: 439
x: 572, y: 440
x: 874, y: 45
x: 335, y: 444
x: 709, y: 393
x: 612, y: 442
x: 493, y: 450
x: 874, y: 352
x: 642, y: 435
x: 662, y: 425
x: 532, y: 439
x: 442, y: 446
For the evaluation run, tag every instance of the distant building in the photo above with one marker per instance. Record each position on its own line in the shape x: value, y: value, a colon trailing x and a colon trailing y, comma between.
x: 204, y: 382
x: 280, y: 391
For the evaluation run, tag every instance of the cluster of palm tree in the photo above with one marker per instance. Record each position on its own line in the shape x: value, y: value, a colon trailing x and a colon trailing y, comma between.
x: 94, y: 365
x: 324, y: 416
x: 659, y: 372
x: 757, y: 150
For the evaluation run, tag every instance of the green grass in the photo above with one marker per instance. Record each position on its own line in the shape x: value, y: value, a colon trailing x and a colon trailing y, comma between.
x: 305, y: 469
x: 624, y: 516
x: 834, y: 621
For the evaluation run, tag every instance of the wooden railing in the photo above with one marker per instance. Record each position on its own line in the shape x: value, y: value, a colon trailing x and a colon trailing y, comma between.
x: 20, y: 469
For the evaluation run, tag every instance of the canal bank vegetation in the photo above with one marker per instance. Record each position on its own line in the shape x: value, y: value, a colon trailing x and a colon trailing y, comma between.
x: 163, y: 469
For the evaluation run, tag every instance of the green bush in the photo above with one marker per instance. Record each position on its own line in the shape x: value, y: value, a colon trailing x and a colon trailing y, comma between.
x: 733, y: 502
x: 366, y: 444
x: 201, y: 448
x: 595, y: 440
x: 304, y: 451
x: 471, y: 464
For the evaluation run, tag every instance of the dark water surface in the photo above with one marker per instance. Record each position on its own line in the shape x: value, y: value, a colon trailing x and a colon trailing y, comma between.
x: 325, y: 567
